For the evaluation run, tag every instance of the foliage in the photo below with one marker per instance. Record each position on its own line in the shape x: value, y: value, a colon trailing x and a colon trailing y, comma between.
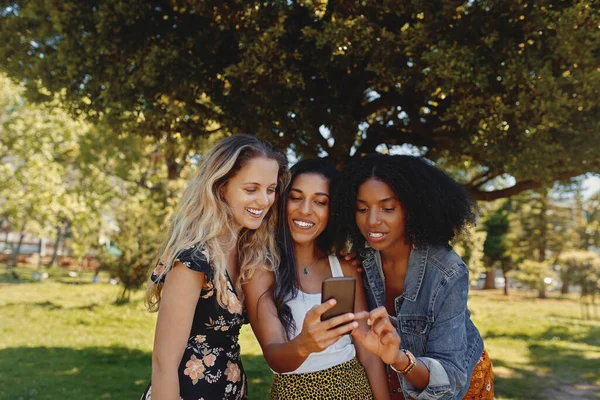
x: 532, y: 273
x: 540, y: 226
x: 581, y: 268
x: 461, y: 81
x: 496, y: 248
x: 469, y: 247
x: 589, y: 223
x: 39, y: 158
x: 137, y: 237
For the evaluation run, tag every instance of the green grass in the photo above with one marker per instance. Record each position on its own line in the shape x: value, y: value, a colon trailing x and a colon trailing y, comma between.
x: 541, y: 349
x: 66, y: 338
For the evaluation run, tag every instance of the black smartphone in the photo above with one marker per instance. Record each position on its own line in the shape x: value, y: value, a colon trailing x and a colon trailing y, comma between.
x: 343, y: 290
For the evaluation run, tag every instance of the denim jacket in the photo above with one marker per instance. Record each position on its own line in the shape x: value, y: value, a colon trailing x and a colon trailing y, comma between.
x: 433, y: 320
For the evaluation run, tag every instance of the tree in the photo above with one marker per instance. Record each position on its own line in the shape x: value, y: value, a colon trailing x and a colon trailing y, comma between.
x: 53, y: 180
x: 496, y: 246
x: 533, y: 273
x: 469, y: 246
x: 540, y: 230
x: 37, y: 144
x: 582, y: 268
x: 462, y: 81
x: 588, y: 215
x: 138, y: 236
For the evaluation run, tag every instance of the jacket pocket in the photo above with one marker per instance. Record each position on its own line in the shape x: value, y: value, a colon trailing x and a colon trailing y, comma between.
x: 414, y: 324
x: 414, y: 330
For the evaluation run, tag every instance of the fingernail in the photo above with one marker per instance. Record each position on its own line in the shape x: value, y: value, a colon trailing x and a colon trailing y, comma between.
x: 369, y: 321
x: 355, y: 324
x: 350, y: 316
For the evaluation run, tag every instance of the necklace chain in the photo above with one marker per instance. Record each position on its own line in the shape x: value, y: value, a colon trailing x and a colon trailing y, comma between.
x: 306, y: 269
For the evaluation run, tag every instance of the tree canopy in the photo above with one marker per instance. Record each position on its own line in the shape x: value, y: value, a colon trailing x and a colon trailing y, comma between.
x: 504, y: 92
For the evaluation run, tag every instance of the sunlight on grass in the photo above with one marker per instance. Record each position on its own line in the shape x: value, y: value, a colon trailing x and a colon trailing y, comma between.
x: 76, y: 342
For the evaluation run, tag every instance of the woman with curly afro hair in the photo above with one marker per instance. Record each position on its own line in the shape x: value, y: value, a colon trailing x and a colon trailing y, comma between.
x: 400, y: 213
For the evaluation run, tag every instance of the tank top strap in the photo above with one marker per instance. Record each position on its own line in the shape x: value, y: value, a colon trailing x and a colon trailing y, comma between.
x: 334, y: 265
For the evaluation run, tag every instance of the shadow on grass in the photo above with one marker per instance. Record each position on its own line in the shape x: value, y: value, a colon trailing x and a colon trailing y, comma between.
x: 516, y: 382
x: 556, y: 370
x: 72, y: 281
x: 65, y: 373
x: 567, y: 364
x: 585, y: 333
x: 259, y: 376
x: 50, y: 306
x: 14, y: 278
x: 49, y: 373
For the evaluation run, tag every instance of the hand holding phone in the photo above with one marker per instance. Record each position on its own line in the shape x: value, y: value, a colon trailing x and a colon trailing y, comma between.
x: 343, y: 290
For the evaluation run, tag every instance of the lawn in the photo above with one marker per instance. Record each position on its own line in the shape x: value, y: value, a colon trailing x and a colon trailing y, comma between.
x: 66, y: 338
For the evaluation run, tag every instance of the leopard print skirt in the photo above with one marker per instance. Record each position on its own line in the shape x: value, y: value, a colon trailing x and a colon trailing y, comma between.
x: 344, y: 381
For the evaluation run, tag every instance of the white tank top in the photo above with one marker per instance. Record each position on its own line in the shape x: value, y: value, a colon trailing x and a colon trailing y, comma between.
x: 341, y: 351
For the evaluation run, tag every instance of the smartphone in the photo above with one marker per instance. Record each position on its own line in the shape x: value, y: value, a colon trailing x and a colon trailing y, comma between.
x: 343, y: 290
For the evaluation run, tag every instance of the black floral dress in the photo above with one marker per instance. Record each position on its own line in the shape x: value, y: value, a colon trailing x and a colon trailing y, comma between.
x: 211, y: 367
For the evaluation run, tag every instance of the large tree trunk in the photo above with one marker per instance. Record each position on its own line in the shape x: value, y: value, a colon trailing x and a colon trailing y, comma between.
x: 490, y: 279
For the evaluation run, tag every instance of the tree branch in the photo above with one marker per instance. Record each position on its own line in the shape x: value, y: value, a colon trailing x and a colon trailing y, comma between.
x: 477, y: 178
x: 518, y: 187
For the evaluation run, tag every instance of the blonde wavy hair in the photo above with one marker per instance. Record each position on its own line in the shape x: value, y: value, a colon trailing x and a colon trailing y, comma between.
x: 203, y: 217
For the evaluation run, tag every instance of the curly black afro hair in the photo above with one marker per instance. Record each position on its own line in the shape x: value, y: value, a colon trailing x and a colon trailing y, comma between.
x: 437, y: 208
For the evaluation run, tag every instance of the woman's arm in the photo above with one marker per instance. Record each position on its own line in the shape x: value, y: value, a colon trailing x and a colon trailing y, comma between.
x: 180, y: 295
x: 439, y: 374
x: 446, y: 346
x: 283, y: 355
x: 373, y: 365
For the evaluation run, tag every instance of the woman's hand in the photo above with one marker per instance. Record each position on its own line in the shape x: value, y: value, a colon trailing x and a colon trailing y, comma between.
x: 352, y: 258
x: 381, y: 339
x: 317, y: 335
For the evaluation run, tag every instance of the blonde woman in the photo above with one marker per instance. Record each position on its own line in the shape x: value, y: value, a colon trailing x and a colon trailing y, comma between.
x: 219, y: 237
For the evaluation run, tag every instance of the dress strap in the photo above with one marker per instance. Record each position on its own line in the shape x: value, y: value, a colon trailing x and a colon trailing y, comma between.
x: 334, y: 265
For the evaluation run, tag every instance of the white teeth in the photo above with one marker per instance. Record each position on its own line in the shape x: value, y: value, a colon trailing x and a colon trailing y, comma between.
x: 375, y: 234
x: 254, y: 211
x: 303, y: 224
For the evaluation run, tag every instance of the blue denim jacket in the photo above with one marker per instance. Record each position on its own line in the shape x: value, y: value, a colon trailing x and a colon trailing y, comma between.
x: 433, y: 320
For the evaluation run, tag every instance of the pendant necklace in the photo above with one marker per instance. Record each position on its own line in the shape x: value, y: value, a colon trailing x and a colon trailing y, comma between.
x: 306, y: 269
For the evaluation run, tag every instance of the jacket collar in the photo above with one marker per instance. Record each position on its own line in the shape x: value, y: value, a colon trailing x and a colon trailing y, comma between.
x: 417, y: 260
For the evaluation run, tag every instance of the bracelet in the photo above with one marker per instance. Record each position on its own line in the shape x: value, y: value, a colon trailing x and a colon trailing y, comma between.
x: 412, y: 362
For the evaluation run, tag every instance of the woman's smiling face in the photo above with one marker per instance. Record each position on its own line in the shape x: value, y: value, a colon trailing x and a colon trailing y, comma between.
x: 308, y: 207
x: 379, y: 215
x: 251, y: 192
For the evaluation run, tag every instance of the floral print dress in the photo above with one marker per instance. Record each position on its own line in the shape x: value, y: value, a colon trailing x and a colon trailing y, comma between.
x: 211, y: 367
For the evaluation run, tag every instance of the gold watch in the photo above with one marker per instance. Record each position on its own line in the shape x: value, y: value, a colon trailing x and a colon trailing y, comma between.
x: 412, y: 362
